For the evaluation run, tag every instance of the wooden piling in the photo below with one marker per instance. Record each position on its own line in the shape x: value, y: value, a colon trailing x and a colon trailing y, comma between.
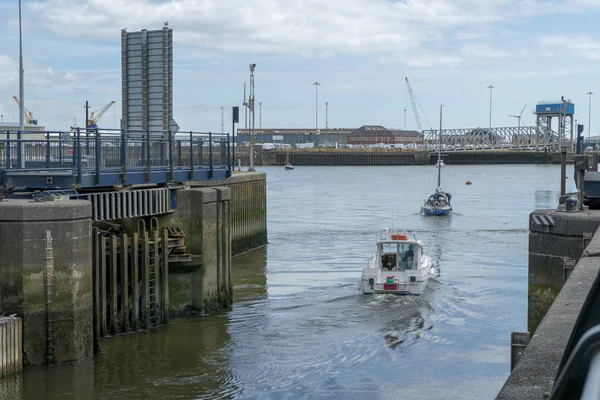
x: 124, y: 283
x: 96, y: 302
x: 135, y: 280
x: 145, y: 280
x: 157, y: 280
x: 113, y: 260
x: 165, y: 277
x: 103, y: 285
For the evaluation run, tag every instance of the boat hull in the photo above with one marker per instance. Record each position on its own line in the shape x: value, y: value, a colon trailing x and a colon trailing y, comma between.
x: 427, y: 210
x: 408, y: 282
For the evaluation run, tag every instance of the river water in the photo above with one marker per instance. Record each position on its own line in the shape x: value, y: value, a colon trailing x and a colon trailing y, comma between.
x: 299, y: 329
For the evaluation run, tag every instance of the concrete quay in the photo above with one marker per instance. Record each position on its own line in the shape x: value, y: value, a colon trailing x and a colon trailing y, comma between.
x: 564, y: 266
x: 74, y: 280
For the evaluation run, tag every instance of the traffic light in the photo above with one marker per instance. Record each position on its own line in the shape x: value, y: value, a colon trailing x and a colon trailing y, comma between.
x: 579, y: 128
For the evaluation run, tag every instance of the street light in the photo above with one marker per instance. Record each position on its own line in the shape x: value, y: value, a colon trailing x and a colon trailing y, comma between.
x: 317, y: 84
x: 490, y: 87
x: 590, y: 116
x: 326, y: 115
x: 260, y: 115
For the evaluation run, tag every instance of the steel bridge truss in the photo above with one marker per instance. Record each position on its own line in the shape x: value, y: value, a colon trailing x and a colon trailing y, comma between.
x: 495, y: 138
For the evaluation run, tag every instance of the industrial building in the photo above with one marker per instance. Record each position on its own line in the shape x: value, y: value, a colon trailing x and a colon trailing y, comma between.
x: 365, y: 135
x: 13, y: 127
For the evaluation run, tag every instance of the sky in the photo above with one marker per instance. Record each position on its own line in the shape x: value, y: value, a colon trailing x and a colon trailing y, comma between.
x: 360, y: 51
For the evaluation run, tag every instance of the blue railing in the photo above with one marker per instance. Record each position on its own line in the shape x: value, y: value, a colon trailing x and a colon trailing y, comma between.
x: 93, y: 158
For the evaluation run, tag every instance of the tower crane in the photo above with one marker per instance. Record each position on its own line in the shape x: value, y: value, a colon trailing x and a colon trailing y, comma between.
x: 26, y: 113
x: 96, y: 115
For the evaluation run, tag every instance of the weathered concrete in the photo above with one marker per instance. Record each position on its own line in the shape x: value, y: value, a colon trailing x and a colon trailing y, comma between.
x: 536, y: 370
x: 203, y: 285
x: 555, y: 246
x: 11, y: 346
x: 248, y: 209
x: 23, y: 226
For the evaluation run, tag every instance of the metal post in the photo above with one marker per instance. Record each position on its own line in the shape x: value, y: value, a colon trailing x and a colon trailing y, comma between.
x: 228, y: 156
x: 78, y: 151
x: 123, y: 156
x: 563, y: 168
x: 8, y: 164
x: 222, y: 125
x: 316, y: 84
x: 326, y: 115
x: 191, y: 156
x: 21, y: 160
x: 210, y: 155
x: 490, y: 87
x: 97, y: 156
x: 148, y: 164
x: 87, y: 132
x: 49, y: 272
x: 590, y: 116
x: 260, y: 115
x: 170, y: 156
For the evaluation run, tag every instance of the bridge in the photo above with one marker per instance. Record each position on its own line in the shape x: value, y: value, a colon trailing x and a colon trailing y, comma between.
x: 93, y: 160
x: 494, y: 138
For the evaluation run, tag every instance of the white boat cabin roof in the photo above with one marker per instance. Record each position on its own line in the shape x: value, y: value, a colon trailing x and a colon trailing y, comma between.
x: 391, y: 236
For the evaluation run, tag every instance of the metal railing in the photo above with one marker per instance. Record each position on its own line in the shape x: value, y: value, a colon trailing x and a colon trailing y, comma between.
x: 95, y: 152
x: 580, y: 376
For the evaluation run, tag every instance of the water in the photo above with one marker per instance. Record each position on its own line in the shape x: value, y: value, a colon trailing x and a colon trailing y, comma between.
x: 300, y: 329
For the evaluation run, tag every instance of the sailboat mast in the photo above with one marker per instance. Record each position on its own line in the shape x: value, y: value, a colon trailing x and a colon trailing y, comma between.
x: 440, y: 150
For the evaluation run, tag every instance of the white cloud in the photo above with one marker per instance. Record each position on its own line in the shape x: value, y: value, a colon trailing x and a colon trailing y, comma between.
x: 306, y: 27
x: 579, y: 45
x: 484, y: 51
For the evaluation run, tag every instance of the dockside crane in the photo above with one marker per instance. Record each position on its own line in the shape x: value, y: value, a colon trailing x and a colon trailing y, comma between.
x: 414, y: 105
x: 26, y: 113
x: 96, y: 115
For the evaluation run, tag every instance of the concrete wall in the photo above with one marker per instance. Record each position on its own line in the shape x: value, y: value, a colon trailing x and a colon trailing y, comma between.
x: 534, y: 374
x: 202, y: 285
x: 557, y: 240
x: 248, y: 209
x: 23, y: 226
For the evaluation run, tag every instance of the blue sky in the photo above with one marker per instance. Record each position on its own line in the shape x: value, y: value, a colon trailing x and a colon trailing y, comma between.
x: 359, y: 50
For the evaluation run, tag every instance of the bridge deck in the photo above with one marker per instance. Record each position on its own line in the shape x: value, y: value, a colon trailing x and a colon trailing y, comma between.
x: 93, y: 159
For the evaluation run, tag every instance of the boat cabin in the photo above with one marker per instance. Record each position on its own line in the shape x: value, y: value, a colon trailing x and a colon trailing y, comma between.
x: 398, y: 255
x: 438, y: 197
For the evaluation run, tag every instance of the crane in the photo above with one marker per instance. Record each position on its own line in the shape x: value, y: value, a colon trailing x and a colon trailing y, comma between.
x: 96, y: 115
x: 414, y: 106
x: 26, y: 113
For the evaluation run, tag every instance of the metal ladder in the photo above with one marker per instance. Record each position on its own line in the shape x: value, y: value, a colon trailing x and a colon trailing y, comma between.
x: 153, y: 262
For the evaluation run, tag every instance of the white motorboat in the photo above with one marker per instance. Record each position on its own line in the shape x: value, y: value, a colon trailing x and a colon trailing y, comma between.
x: 399, y: 266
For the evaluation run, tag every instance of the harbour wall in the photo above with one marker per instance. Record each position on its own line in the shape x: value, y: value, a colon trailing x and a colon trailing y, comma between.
x: 564, y: 267
x: 74, y: 281
x: 379, y: 157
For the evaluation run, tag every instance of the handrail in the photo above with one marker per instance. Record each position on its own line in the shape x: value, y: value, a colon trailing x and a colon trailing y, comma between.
x: 95, y: 153
x: 580, y: 376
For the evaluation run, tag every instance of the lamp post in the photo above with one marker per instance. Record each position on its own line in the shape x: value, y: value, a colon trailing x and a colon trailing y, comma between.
x: 490, y: 87
x: 317, y: 84
x: 260, y: 115
x: 222, y: 123
x: 589, y: 116
x: 21, y: 95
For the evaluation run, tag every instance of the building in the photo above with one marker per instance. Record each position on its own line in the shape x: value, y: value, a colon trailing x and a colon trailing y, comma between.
x: 13, y: 128
x: 293, y: 136
x: 377, y: 134
x: 147, y: 80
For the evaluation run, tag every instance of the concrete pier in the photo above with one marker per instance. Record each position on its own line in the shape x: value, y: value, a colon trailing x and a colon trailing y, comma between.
x: 569, y: 310
x: 202, y: 285
x: 248, y: 209
x: 56, y: 306
x: 11, y: 346
x: 557, y: 240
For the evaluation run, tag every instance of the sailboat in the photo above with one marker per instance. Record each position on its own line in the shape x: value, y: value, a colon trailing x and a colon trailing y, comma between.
x: 439, y: 202
x: 287, y: 161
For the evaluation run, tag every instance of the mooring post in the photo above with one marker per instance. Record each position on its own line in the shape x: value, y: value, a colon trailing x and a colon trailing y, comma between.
x: 135, y: 281
x: 165, y: 277
x: 125, y: 326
